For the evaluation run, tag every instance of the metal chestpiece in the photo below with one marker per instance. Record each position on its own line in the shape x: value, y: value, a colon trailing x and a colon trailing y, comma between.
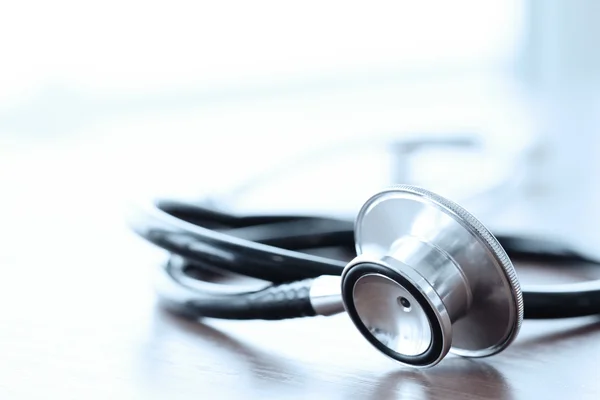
x: 429, y: 279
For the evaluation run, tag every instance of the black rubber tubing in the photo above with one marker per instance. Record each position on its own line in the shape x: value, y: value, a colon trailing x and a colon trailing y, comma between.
x: 269, y: 248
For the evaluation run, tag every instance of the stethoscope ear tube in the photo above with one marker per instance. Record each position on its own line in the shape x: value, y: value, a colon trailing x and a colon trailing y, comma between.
x: 562, y: 301
x: 204, y: 238
x: 211, y: 300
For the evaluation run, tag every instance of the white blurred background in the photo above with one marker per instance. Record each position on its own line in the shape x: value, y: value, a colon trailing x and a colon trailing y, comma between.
x: 102, y: 102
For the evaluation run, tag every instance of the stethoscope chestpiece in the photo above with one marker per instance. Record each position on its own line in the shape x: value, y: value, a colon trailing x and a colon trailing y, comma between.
x: 429, y: 279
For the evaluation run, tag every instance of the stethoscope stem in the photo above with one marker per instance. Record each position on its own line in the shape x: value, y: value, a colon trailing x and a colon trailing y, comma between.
x: 326, y: 295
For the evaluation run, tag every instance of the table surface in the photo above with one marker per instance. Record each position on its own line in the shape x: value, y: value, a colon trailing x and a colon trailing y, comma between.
x: 78, y: 319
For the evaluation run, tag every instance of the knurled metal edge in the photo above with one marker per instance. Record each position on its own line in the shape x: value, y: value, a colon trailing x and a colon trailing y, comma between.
x: 473, y: 223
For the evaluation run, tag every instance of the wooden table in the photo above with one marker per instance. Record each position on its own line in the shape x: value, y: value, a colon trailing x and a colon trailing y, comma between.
x: 78, y: 320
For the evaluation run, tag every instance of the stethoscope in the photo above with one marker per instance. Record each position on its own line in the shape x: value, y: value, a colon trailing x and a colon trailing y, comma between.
x: 428, y: 278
